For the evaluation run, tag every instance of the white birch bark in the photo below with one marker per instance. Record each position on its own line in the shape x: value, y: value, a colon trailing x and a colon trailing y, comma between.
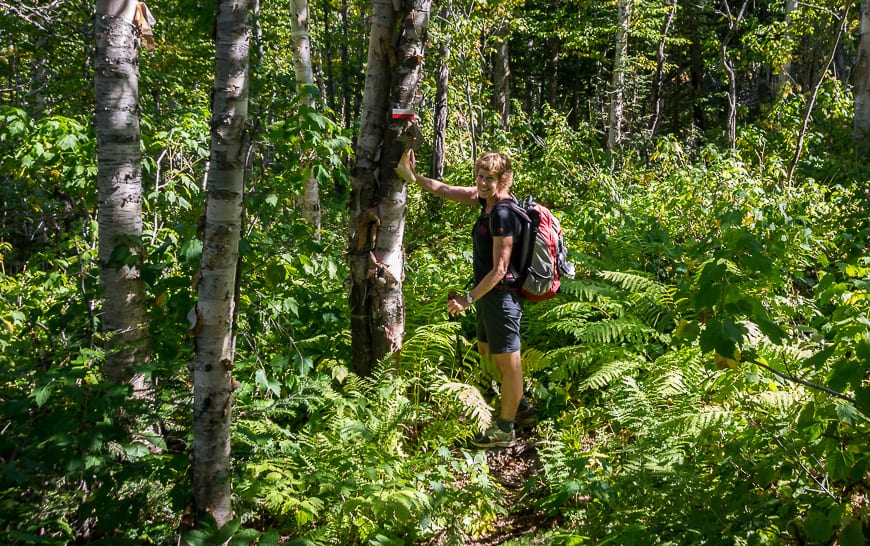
x: 119, y: 181
x: 299, y: 21
x: 213, y: 323
x: 378, y: 195
x: 617, y: 97
x: 862, y: 77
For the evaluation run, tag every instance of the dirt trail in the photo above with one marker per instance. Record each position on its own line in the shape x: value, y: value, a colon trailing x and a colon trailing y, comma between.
x: 513, y: 468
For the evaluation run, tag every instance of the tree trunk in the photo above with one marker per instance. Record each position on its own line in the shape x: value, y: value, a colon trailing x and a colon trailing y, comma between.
x: 347, y: 105
x: 501, y: 74
x: 377, y: 201
x: 439, y: 133
x: 620, y: 58
x: 214, y: 312
x: 784, y: 76
x: 329, y: 76
x: 119, y: 181
x: 733, y: 24
x: 862, y: 77
x: 658, y: 81
x: 840, y: 23
x: 299, y: 18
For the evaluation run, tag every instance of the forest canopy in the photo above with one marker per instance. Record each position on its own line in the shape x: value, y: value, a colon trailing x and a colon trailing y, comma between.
x: 190, y: 193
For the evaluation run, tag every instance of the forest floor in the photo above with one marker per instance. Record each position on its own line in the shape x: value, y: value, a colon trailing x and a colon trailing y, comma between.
x: 514, y: 468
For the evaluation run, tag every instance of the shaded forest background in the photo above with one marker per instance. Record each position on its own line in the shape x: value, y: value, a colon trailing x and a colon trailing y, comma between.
x: 704, y: 379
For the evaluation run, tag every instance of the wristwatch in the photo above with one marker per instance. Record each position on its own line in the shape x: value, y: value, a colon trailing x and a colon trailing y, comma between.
x: 469, y: 298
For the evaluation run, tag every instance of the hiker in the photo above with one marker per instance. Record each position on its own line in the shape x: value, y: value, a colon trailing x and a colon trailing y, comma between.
x: 499, y: 305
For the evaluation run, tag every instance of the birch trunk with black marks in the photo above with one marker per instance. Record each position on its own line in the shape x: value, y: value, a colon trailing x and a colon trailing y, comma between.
x: 378, y: 195
x: 299, y: 19
x: 119, y: 182
x: 213, y: 324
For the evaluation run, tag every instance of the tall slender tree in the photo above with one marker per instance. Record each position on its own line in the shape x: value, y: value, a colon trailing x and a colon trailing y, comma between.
x: 378, y: 195
x: 213, y: 321
x: 119, y: 181
x: 862, y: 77
x: 299, y: 20
x: 501, y: 74
x: 442, y: 94
x: 658, y: 79
x: 620, y: 62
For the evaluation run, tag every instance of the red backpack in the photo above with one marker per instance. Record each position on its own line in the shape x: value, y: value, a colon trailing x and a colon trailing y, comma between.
x: 543, y: 252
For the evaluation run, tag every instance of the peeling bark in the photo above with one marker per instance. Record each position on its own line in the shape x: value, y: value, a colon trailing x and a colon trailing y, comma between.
x: 378, y: 195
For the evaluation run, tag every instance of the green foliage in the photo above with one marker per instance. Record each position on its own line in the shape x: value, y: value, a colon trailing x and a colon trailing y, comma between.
x: 703, y: 380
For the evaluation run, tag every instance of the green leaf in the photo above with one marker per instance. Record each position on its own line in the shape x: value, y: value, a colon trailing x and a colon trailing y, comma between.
x: 267, y: 384
x: 817, y: 526
x: 192, y: 251
x: 41, y: 395
x: 852, y: 534
x: 723, y: 336
x: 245, y: 537
x: 862, y: 400
x: 772, y: 330
x: 818, y: 359
x: 838, y: 464
x: 269, y: 538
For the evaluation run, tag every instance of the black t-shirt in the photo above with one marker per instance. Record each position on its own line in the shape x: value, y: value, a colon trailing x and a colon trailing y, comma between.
x: 505, y: 223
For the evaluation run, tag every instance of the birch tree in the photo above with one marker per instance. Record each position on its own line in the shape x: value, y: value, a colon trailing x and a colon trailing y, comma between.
x: 378, y: 195
x: 620, y: 61
x: 862, y: 77
x: 299, y: 19
x: 213, y: 323
x: 119, y: 182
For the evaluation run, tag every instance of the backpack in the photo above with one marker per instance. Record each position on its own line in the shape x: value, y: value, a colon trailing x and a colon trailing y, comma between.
x: 543, y: 252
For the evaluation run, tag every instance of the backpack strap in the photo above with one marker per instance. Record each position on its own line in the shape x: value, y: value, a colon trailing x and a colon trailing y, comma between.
x: 524, y: 240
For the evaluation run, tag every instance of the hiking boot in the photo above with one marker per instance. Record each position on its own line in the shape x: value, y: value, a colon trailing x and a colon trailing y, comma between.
x: 526, y: 418
x: 495, y: 437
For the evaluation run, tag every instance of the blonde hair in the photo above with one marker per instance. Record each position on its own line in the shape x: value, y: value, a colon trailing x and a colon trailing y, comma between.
x: 498, y: 163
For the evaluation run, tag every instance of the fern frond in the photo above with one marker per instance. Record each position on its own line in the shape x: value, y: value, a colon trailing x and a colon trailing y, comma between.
x: 473, y: 403
x: 616, y: 331
x: 631, y: 282
x: 433, y: 343
x: 783, y: 402
x: 589, y: 290
x: 571, y: 310
x: 534, y: 360
x: 609, y: 373
x: 695, y: 423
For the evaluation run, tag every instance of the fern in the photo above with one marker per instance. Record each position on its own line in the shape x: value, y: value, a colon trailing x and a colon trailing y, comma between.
x: 619, y: 330
x: 609, y: 373
x: 473, y: 403
x: 589, y: 290
x: 631, y: 282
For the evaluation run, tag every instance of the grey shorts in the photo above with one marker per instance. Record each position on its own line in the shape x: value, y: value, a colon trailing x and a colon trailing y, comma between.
x: 498, y: 320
